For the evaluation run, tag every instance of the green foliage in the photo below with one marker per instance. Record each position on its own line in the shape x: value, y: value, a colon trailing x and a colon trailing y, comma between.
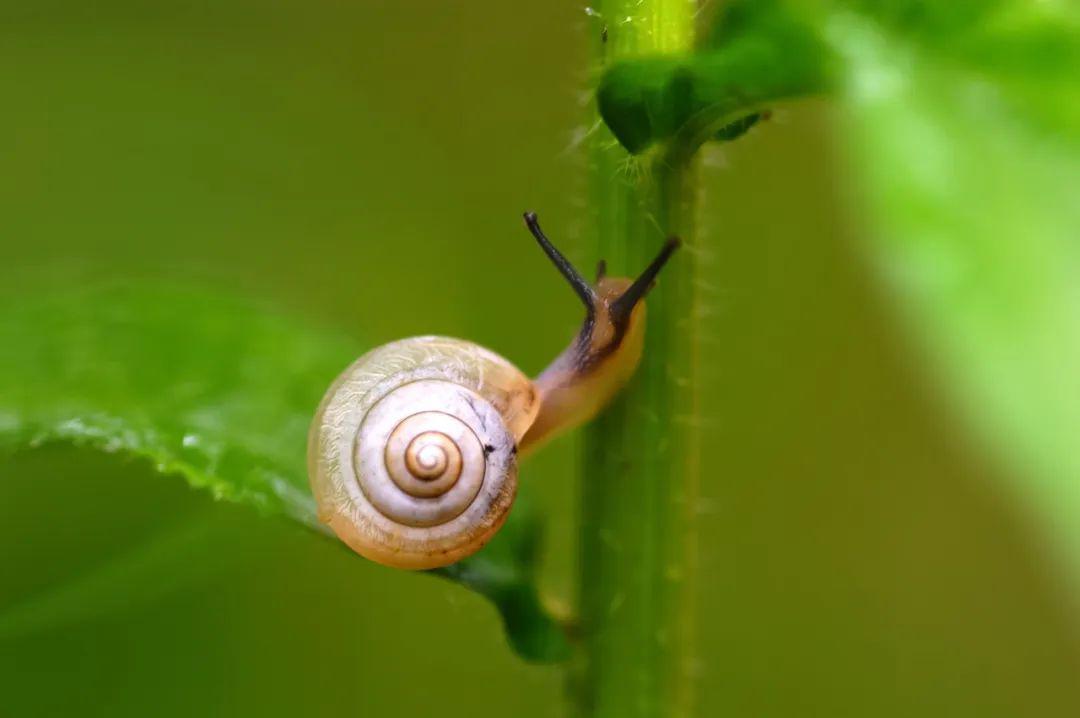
x: 964, y: 129
x: 505, y: 572
x: 217, y: 391
x: 962, y: 123
x: 201, y: 386
x: 760, y: 55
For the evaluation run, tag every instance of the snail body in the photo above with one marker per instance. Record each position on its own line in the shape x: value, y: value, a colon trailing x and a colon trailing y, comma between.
x: 412, y: 454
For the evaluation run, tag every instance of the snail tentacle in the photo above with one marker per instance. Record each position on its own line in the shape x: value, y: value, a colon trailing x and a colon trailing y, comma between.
x: 606, y: 350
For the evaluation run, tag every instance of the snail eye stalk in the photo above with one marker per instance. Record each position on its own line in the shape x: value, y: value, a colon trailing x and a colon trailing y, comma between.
x: 621, y: 307
x: 580, y: 285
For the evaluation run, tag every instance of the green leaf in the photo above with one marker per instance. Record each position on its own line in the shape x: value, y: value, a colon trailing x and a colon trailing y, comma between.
x: 964, y: 130
x: 760, y: 54
x: 220, y: 392
x: 505, y: 572
x: 202, y: 386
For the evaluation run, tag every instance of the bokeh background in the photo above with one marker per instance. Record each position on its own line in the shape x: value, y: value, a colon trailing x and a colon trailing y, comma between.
x: 364, y: 165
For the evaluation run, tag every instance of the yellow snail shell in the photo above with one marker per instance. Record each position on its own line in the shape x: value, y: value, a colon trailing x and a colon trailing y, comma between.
x: 413, y: 452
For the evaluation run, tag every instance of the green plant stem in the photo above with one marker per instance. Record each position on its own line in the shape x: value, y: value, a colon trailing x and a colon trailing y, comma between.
x: 640, y: 458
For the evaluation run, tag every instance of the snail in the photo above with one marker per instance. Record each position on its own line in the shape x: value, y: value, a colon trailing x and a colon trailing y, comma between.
x: 412, y: 454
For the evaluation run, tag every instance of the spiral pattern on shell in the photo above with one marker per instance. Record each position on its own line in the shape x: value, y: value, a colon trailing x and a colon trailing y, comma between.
x: 412, y: 455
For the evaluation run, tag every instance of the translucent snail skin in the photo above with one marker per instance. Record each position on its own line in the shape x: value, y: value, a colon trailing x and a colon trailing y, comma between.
x: 412, y: 455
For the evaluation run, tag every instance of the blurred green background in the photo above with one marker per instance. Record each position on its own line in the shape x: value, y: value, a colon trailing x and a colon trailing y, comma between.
x: 364, y: 165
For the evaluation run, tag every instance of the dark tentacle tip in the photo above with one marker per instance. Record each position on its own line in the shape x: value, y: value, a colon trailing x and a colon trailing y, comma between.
x: 624, y: 305
x: 621, y: 308
x: 580, y: 285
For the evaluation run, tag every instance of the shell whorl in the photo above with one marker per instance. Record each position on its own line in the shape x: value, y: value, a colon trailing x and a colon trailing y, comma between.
x: 412, y: 454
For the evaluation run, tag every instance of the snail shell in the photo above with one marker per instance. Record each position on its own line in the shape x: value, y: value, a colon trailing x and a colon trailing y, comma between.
x: 413, y: 451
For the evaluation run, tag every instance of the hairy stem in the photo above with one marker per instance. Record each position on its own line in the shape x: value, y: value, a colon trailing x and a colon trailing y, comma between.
x: 640, y: 458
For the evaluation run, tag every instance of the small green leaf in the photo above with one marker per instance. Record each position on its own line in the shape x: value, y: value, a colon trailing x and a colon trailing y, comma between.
x: 760, y: 55
x: 220, y: 392
x: 505, y: 573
